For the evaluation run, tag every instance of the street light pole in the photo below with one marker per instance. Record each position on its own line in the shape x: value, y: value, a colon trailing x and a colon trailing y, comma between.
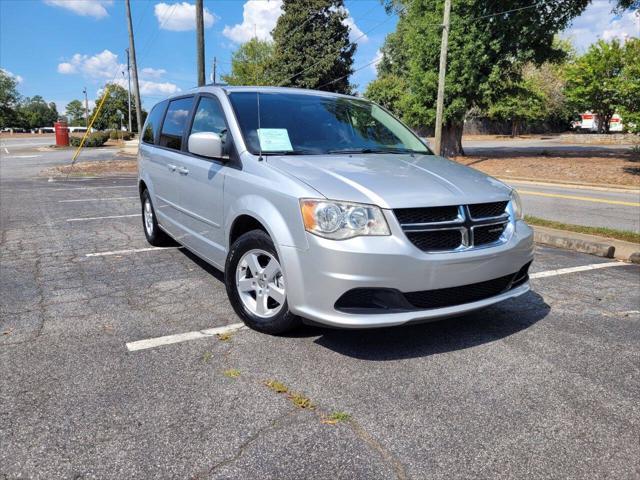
x: 441, y: 76
x: 129, y: 92
x: 86, y: 108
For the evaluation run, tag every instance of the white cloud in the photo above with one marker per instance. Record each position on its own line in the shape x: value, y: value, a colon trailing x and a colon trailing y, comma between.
x: 355, y: 34
x: 598, y: 22
x: 258, y: 19
x: 104, y: 66
x: 181, y: 17
x: 153, y: 72
x: 18, y: 79
x: 90, y: 8
x: 376, y: 61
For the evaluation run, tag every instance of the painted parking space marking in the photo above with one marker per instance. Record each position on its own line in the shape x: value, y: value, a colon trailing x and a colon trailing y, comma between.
x: 125, y: 252
x: 580, y: 198
x: 200, y: 334
x: 23, y: 156
x: 86, y: 219
x: 183, y: 337
x: 93, y: 188
x: 583, y: 268
x: 96, y: 199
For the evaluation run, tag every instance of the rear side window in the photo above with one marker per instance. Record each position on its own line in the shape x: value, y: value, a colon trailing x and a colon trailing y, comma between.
x: 174, y: 123
x: 153, y: 124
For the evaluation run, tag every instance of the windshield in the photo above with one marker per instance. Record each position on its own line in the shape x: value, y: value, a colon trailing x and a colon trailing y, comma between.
x: 296, y: 123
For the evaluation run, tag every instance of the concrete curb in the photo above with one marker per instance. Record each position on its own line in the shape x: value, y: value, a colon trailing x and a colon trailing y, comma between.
x: 592, y: 244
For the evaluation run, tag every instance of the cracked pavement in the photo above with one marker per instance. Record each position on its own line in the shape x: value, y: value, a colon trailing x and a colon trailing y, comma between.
x: 545, y: 385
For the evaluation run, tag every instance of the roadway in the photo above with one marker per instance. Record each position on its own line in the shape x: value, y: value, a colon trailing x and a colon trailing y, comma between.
x: 589, y: 206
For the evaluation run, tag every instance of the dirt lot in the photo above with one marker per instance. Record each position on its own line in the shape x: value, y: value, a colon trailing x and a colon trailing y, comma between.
x: 598, y: 167
x: 110, y: 167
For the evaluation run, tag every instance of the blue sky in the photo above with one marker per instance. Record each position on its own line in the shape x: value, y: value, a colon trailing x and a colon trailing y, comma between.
x: 57, y: 47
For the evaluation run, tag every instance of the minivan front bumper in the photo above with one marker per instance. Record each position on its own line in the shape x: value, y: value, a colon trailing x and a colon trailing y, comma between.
x: 316, y: 278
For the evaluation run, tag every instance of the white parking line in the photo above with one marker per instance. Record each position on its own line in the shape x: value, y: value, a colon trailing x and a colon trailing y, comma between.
x: 182, y: 337
x: 85, y: 219
x: 23, y: 156
x: 583, y: 268
x: 96, y: 199
x: 93, y: 188
x: 125, y: 252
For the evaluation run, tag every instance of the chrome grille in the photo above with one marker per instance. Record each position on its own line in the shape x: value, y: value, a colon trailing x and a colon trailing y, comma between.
x: 455, y: 227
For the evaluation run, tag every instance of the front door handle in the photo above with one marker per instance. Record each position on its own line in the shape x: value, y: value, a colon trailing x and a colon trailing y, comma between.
x: 172, y: 168
x: 183, y: 171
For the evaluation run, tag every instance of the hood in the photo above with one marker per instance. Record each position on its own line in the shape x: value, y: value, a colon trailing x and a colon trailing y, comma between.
x: 391, y: 180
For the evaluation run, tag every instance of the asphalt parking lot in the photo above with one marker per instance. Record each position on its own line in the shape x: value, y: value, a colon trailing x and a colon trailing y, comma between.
x: 542, y: 386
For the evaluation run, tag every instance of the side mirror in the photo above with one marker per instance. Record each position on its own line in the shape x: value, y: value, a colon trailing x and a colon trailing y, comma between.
x: 206, y: 144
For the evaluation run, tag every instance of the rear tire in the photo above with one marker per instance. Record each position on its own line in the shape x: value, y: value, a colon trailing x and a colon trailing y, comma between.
x: 155, y: 236
x: 256, y: 285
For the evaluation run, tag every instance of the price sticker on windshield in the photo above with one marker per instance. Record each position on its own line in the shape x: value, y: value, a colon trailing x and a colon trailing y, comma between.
x: 274, y: 140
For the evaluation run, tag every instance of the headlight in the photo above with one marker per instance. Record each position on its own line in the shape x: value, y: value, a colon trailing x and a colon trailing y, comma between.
x: 516, y: 205
x: 342, y: 220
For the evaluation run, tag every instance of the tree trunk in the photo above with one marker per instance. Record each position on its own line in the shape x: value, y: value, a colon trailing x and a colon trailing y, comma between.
x: 452, y: 139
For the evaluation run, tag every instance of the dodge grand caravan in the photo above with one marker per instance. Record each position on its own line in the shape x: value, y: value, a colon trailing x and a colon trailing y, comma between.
x: 324, y: 207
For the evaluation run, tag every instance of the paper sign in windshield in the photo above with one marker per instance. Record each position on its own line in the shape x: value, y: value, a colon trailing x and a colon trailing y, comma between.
x: 274, y: 140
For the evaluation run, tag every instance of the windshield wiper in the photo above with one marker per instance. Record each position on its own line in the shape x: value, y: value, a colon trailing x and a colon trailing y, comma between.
x: 287, y: 152
x: 373, y: 150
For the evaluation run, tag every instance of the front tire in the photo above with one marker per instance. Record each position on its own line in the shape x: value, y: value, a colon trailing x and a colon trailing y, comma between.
x: 256, y: 285
x: 155, y: 236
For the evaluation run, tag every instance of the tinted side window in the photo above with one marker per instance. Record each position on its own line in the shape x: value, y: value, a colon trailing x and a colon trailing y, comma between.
x: 174, y: 123
x: 152, y: 124
x: 209, y: 117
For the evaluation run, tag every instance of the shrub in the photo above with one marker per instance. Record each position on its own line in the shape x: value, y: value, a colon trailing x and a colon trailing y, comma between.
x: 117, y: 135
x: 96, y: 139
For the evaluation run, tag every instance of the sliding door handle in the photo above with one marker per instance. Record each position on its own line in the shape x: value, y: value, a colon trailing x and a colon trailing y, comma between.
x: 172, y: 168
x: 183, y: 171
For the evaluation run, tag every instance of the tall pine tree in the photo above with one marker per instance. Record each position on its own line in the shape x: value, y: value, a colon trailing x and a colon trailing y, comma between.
x: 312, y: 48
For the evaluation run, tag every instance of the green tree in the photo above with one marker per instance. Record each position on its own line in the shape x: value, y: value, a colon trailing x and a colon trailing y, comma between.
x: 312, y: 48
x: 524, y: 103
x: 75, y: 113
x: 116, y: 101
x: 387, y: 91
x: 630, y: 86
x: 9, y: 100
x: 594, y: 81
x: 250, y: 64
x: 484, y: 47
x: 35, y: 112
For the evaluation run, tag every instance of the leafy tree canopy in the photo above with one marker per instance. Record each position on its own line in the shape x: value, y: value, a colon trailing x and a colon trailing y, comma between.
x: 75, y: 113
x: 9, y: 99
x: 312, y: 47
x: 34, y: 112
x: 250, y: 64
x: 117, y: 100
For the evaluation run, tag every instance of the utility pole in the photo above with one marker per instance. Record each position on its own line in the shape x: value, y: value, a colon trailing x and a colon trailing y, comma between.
x: 199, y: 41
x: 129, y: 90
x: 441, y: 76
x: 213, y: 74
x: 86, y: 108
x: 134, y: 69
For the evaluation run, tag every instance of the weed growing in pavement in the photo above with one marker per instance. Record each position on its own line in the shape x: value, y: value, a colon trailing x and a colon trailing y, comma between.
x: 336, y: 417
x: 224, y: 337
x: 206, y: 357
x: 301, y: 401
x: 231, y: 373
x: 276, y: 386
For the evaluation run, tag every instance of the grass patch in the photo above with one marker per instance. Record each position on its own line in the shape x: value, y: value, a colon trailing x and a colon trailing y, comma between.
x: 206, y: 357
x: 231, y: 373
x: 224, y: 337
x: 301, y: 401
x: 336, y: 417
x: 276, y: 386
x: 626, y: 235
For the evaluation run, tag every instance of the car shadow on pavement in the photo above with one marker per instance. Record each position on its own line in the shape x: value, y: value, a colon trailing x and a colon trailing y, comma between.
x: 420, y: 340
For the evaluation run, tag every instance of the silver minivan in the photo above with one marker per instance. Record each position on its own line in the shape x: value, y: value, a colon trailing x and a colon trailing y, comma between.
x: 324, y: 208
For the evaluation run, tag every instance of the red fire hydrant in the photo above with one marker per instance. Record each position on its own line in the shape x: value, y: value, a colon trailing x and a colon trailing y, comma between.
x: 62, y: 134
